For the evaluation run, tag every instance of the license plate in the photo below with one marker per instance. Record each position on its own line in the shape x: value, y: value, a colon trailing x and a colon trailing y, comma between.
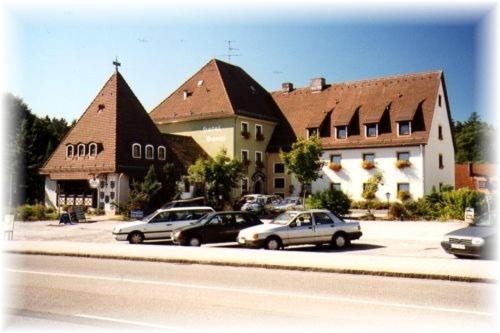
x: 458, y: 246
x: 241, y: 240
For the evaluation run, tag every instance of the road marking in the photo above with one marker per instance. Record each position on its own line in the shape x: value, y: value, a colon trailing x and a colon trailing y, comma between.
x: 254, y: 292
x: 131, y: 322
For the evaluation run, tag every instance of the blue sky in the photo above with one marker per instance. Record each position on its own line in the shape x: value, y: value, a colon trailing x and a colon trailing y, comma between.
x: 63, y: 63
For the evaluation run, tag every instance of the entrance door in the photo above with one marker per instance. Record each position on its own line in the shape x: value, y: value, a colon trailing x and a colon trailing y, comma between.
x: 258, y: 187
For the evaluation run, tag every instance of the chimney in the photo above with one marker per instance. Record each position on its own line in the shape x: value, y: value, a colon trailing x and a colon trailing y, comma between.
x: 286, y: 87
x: 317, y: 84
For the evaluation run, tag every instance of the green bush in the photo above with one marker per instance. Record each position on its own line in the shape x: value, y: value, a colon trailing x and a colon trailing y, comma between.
x: 455, y: 202
x: 373, y: 204
x: 397, y: 211
x: 37, y: 212
x: 335, y: 201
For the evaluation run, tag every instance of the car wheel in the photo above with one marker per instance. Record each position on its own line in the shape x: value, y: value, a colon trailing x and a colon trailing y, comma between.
x: 461, y: 256
x: 194, y: 241
x: 273, y: 243
x: 135, y: 238
x: 340, y: 241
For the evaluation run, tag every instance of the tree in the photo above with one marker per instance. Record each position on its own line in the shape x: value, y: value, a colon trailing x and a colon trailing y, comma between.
x: 333, y: 200
x: 473, y: 140
x: 143, y: 192
x: 370, y: 190
x: 304, y: 160
x: 217, y: 176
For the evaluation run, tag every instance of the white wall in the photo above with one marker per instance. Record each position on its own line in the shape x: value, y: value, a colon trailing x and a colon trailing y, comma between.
x: 433, y: 175
x: 50, y: 192
x: 352, y: 175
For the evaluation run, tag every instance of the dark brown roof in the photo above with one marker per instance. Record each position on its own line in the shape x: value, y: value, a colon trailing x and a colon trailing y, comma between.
x: 185, y: 148
x: 114, y: 120
x: 400, y: 97
x: 218, y: 89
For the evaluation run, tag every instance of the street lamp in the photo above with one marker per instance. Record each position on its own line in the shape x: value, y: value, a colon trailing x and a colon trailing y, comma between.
x: 387, y: 196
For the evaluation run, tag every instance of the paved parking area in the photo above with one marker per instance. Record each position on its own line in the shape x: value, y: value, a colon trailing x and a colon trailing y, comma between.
x: 398, y: 239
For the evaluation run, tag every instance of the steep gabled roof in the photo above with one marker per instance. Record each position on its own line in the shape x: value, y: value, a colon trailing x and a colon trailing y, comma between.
x: 218, y: 89
x: 401, y: 97
x: 114, y: 121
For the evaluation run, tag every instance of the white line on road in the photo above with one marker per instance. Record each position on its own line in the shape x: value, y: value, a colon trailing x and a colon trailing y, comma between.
x: 254, y: 292
x: 130, y: 322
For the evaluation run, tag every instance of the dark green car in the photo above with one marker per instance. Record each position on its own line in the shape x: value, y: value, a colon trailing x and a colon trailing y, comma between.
x: 215, y: 228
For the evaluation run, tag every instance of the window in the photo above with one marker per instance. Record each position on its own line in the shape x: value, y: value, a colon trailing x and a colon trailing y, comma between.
x: 279, y: 182
x: 244, y: 155
x: 337, y: 159
x: 403, y: 156
x: 404, y: 128
x: 371, y: 130
x: 70, y: 151
x: 150, y: 150
x: 439, y: 100
x: 481, y: 184
x: 304, y: 220
x: 404, y: 187
x: 441, y: 164
x: 259, y: 134
x: 312, y: 132
x: 244, y: 185
x: 322, y: 218
x: 369, y: 157
x: 81, y: 150
x: 341, y: 132
x: 136, y: 150
x: 244, y: 127
x: 258, y: 157
x: 162, y: 153
x: 93, y: 149
x: 241, y: 219
x: 440, y: 132
x: 335, y: 187
x: 279, y: 167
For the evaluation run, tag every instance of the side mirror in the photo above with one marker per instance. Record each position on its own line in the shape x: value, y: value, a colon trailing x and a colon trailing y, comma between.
x: 293, y: 224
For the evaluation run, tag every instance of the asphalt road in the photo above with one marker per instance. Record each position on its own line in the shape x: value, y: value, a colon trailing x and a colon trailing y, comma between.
x: 47, y: 292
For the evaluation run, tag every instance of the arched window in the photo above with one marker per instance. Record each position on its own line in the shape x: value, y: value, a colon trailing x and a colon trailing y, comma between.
x: 136, y: 150
x: 162, y: 153
x: 150, y: 151
x: 93, y: 149
x: 70, y: 151
x: 81, y: 150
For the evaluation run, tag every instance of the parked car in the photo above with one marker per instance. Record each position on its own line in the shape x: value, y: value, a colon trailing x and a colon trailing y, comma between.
x: 159, y: 225
x: 215, y: 228
x: 193, y: 202
x: 261, y: 204
x: 478, y: 240
x: 290, y: 203
x: 315, y: 226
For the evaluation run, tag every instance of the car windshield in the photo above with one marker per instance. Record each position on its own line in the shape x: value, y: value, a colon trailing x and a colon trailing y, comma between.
x: 486, y: 219
x: 148, y: 217
x: 204, y: 219
x: 284, y: 218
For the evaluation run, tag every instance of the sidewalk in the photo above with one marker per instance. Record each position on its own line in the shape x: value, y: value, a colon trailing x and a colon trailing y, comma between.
x: 339, y: 262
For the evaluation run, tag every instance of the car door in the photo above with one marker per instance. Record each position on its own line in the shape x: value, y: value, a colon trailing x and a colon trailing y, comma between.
x: 300, y: 230
x: 159, y: 227
x: 217, y: 230
x: 243, y: 221
x: 324, y: 227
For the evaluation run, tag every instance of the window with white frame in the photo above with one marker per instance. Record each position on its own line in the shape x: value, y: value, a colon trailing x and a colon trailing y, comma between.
x: 404, y: 187
x: 336, y: 158
x: 93, y: 149
x: 258, y: 157
x: 371, y: 130
x: 136, y: 150
x: 312, y: 132
x: 162, y: 153
x: 70, y: 151
x: 259, y: 133
x: 244, y: 127
x: 404, y: 128
x: 81, y: 150
x: 150, y: 152
x: 341, y: 132
x: 403, y: 156
x: 335, y: 187
x: 244, y: 155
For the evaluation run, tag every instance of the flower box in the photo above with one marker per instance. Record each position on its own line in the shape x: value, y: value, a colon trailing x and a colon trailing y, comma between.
x: 335, y: 166
x: 367, y: 165
x: 401, y: 164
x: 245, y: 134
x: 404, y: 195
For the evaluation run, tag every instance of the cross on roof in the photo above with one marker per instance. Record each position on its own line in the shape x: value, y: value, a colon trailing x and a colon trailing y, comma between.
x: 116, y: 63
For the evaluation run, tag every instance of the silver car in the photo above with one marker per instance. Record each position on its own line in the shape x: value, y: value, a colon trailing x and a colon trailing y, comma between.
x: 315, y: 226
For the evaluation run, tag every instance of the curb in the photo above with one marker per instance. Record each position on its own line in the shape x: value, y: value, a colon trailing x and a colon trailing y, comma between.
x: 428, y: 276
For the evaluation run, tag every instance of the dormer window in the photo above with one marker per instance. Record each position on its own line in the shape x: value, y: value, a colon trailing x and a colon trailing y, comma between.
x: 93, y: 149
x: 404, y: 128
x: 81, y: 150
x: 70, y: 151
x: 312, y: 132
x: 149, y: 152
x: 341, y: 132
x: 371, y: 130
x: 136, y: 150
x: 162, y: 153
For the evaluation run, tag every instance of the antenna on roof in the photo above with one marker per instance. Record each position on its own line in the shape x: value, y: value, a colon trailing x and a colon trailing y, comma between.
x: 117, y: 64
x: 230, y: 49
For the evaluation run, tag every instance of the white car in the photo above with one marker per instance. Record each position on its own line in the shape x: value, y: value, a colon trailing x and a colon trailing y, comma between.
x: 315, y: 226
x: 159, y: 225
